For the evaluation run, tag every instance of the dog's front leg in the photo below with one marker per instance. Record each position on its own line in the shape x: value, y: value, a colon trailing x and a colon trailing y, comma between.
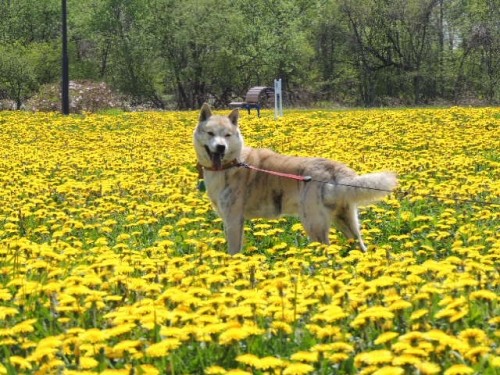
x: 234, y: 234
x: 231, y: 208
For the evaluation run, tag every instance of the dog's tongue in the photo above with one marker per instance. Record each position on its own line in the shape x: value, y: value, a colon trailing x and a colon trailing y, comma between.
x: 217, y: 160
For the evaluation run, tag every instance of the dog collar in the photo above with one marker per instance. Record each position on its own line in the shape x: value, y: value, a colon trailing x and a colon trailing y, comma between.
x: 232, y: 164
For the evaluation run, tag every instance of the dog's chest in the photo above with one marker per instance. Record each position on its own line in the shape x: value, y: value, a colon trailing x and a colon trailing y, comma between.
x: 217, y: 184
x: 215, y: 181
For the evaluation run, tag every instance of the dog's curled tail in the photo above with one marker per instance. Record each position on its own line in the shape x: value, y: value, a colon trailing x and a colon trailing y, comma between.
x: 367, y: 188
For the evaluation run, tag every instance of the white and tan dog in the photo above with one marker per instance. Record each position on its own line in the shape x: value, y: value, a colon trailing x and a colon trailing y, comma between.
x: 238, y: 192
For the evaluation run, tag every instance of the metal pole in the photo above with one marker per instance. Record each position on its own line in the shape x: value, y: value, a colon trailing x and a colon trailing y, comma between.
x: 278, y: 100
x: 65, y: 68
x: 281, y: 99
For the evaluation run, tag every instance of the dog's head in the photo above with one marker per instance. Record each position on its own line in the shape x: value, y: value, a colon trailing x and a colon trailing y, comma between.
x: 217, y: 139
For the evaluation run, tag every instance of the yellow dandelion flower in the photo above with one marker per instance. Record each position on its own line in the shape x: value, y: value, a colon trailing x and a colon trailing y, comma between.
x: 215, y: 370
x: 119, y: 330
x: 7, y: 311
x: 123, y: 237
x: 445, y: 313
x: 304, y: 356
x: 342, y: 347
x: 325, y: 332
x: 495, y: 321
x: 419, y: 314
x: 298, y: 369
x: 269, y: 363
x: 101, y: 241
x: 238, y: 372
x: 476, y: 353
x: 4, y: 296
x: 281, y: 326
x: 124, y: 371
x: 385, y: 337
x: 55, y: 365
x: 495, y: 361
x: 389, y: 370
x: 368, y: 370
x: 399, y: 305
x: 473, y: 336
x: 163, y: 348
x: 93, y: 335
x: 125, y: 346
x: 24, y: 327
x: 412, y: 337
x: 147, y: 370
x: 459, y: 315
x: 405, y: 359
x: 338, y: 357
x: 483, y: 294
x: 247, y: 359
x: 375, y: 357
x: 20, y: 362
x: 9, y: 341
x: 428, y: 368
x: 176, y: 332
x: 375, y: 313
x: 88, y: 363
x: 333, y: 347
x: 330, y: 314
x: 459, y: 370
x: 237, y: 334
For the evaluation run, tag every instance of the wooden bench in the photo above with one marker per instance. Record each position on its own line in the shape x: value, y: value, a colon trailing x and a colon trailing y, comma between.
x: 256, y: 98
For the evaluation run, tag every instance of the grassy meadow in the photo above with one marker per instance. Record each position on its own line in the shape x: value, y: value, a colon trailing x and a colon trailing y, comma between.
x: 112, y: 262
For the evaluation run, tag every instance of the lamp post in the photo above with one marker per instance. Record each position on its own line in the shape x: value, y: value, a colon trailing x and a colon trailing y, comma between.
x: 65, y: 68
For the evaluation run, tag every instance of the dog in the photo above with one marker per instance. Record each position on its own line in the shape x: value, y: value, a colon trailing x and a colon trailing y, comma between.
x: 241, y: 185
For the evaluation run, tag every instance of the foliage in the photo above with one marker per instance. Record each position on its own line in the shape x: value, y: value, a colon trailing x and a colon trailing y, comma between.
x: 112, y: 262
x: 17, y: 76
x: 172, y: 54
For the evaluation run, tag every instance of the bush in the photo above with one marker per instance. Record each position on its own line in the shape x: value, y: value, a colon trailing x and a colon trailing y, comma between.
x: 85, y: 96
x: 17, y: 75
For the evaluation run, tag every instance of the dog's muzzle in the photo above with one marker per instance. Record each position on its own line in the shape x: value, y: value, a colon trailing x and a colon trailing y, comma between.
x: 216, y: 156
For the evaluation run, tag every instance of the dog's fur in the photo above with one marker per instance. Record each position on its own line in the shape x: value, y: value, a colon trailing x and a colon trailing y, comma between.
x: 238, y: 193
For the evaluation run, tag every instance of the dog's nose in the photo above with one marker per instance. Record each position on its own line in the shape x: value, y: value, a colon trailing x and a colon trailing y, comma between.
x: 220, y: 149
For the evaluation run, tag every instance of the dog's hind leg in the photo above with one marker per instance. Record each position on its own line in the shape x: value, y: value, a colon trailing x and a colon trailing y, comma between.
x: 346, y: 220
x: 315, y: 217
x: 316, y: 224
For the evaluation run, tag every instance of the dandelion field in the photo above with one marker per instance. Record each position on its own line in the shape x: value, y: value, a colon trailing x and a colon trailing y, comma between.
x: 111, y: 261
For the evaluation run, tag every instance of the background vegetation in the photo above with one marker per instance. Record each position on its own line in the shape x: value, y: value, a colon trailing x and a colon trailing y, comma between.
x: 167, y: 53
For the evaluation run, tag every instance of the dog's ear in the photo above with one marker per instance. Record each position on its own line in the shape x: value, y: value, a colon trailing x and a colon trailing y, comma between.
x: 205, y: 112
x: 234, y: 115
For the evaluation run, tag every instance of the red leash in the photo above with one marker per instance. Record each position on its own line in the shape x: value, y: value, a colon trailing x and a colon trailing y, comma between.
x: 279, y: 174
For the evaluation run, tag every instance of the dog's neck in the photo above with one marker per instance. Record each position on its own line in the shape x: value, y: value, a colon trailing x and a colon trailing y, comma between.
x: 231, y: 164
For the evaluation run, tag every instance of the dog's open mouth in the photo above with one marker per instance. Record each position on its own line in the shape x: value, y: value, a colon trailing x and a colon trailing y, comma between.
x: 216, y: 158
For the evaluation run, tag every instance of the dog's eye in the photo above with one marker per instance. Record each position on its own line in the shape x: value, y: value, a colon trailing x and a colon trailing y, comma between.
x: 228, y: 135
x: 211, y: 134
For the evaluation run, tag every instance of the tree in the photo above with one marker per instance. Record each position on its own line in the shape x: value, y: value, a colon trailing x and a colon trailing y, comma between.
x: 182, y: 53
x: 477, y: 30
x: 336, y: 77
x: 115, y: 34
x: 29, y: 21
x: 394, y: 37
x: 17, y: 74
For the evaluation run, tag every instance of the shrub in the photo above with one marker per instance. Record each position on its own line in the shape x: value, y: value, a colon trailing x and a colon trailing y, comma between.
x: 85, y: 96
